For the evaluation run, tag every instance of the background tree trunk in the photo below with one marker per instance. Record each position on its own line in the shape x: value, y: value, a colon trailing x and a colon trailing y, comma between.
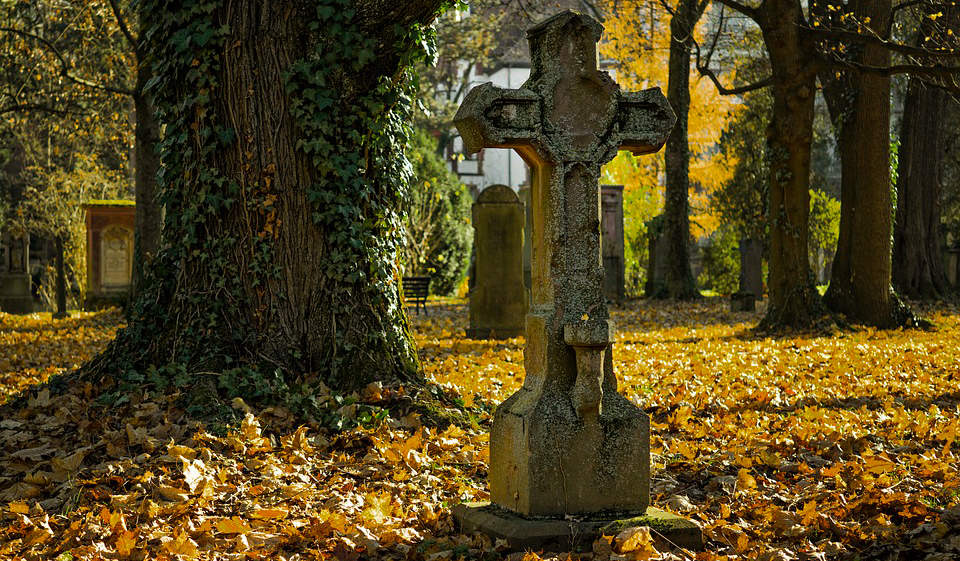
x: 148, y: 220
x: 282, y: 172
x: 861, y: 274
x: 680, y: 282
x: 917, y: 252
x: 794, y: 301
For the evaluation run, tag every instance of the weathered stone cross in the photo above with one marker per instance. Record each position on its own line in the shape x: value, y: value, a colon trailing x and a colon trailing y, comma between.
x: 567, y: 442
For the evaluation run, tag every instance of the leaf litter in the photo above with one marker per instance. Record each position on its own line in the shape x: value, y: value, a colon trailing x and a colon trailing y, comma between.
x: 800, y: 447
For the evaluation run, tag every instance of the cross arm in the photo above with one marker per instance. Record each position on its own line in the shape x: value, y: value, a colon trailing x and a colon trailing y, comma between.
x: 644, y: 120
x: 493, y: 117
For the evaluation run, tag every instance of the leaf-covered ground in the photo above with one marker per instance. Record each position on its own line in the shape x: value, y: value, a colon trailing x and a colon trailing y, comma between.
x: 793, y: 447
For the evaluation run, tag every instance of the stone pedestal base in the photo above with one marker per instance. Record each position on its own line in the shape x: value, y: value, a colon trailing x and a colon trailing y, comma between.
x: 494, y: 332
x: 743, y: 302
x: 15, y: 295
x: 546, y: 534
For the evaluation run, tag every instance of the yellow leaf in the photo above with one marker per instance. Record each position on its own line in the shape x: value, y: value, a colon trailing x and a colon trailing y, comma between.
x: 745, y: 481
x: 181, y: 545
x: 173, y: 494
x: 232, y: 526
x: 19, y: 508
x: 268, y: 513
x: 637, y: 540
x: 126, y: 542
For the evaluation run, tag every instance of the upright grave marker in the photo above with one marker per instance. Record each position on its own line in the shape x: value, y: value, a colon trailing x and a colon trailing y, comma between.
x: 498, y: 301
x: 567, y: 443
x: 109, y: 251
x: 16, y: 296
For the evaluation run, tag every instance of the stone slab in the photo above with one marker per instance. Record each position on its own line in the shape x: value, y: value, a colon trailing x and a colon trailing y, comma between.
x: 552, y: 534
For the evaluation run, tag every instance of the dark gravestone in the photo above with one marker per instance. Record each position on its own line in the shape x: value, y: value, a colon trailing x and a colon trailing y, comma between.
x: 751, y: 276
x: 498, y: 301
x: 612, y: 244
x: 567, y: 443
x: 15, y: 294
x: 656, y: 284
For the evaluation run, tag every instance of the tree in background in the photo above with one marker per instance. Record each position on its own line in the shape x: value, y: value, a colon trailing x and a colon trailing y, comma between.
x: 71, y: 72
x: 917, y: 242
x: 437, y: 213
x: 283, y: 177
x: 636, y: 36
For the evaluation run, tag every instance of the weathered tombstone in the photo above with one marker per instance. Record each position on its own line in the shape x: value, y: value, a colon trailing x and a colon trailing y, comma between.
x: 498, y: 302
x: 612, y: 244
x: 109, y: 251
x: 952, y: 265
x: 656, y: 258
x: 567, y: 443
x: 15, y: 294
x: 751, y: 276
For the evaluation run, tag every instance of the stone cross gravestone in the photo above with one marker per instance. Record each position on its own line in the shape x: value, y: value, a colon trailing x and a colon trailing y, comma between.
x: 567, y: 443
x: 498, y: 301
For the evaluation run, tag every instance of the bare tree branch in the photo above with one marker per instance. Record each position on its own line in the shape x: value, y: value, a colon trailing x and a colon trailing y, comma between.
x: 39, y: 107
x: 64, y: 66
x: 122, y: 23
x: 709, y: 73
x: 854, y: 37
x: 742, y: 8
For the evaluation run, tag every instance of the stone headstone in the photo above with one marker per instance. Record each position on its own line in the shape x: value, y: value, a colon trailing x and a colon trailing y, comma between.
x: 498, y: 301
x: 751, y: 267
x: 567, y: 443
x: 110, y: 246
x: 16, y: 296
x: 656, y: 258
x: 612, y: 242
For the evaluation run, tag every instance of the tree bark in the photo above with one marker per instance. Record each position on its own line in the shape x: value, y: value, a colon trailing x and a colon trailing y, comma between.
x: 260, y: 267
x: 680, y: 284
x: 861, y: 274
x: 917, y: 252
x: 148, y: 216
x: 794, y: 301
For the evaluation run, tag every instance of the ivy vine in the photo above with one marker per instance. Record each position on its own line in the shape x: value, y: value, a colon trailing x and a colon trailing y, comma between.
x: 180, y: 335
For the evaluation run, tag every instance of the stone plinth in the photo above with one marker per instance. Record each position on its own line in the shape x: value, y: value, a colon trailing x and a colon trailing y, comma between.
x: 567, y: 443
x: 110, y: 246
x: 547, y: 534
x: 16, y: 296
x: 498, y: 301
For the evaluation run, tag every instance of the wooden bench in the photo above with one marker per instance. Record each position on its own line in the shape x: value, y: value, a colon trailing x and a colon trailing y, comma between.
x: 417, y: 289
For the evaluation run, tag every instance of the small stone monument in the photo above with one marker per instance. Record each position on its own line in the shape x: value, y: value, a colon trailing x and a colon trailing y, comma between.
x: 567, y: 444
x: 15, y: 294
x: 612, y: 244
x: 498, y: 302
x: 109, y: 251
x: 656, y: 284
x: 751, y: 276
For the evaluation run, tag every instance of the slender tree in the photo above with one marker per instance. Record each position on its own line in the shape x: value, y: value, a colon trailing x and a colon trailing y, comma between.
x: 679, y: 276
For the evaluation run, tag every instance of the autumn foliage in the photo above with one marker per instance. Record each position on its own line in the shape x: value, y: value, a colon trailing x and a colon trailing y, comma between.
x: 812, y: 446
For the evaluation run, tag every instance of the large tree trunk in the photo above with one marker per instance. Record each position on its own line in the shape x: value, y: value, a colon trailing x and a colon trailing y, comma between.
x: 861, y: 273
x: 282, y: 174
x: 680, y: 282
x: 794, y: 301
x: 917, y: 253
x: 148, y: 216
